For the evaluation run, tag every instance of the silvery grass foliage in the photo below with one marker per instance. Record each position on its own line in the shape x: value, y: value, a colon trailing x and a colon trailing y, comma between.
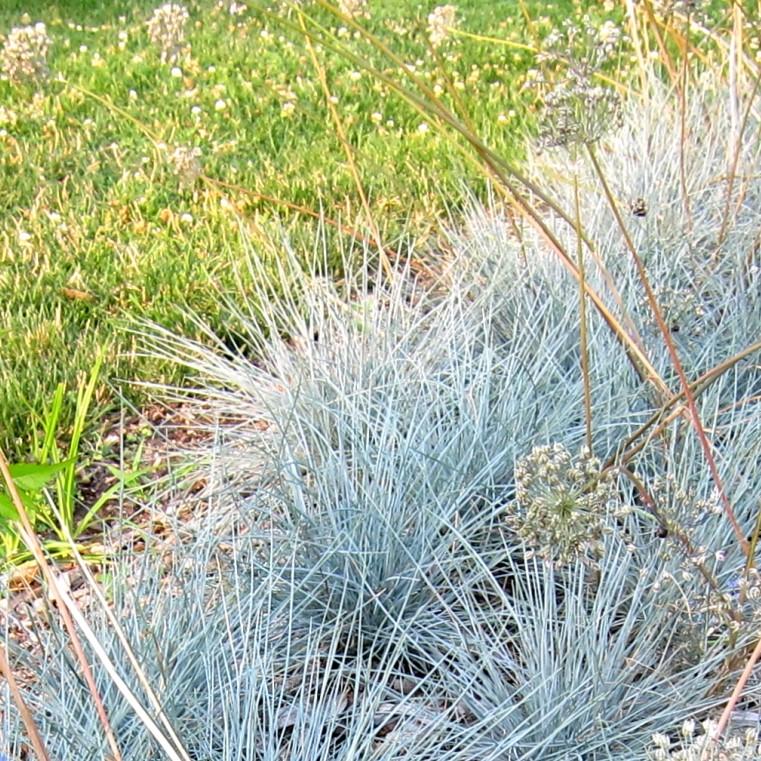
x: 356, y: 586
x: 701, y: 256
x: 698, y: 249
x: 364, y: 597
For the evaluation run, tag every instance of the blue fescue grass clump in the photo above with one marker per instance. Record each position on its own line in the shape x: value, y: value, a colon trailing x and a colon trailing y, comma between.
x: 354, y: 592
x: 356, y: 582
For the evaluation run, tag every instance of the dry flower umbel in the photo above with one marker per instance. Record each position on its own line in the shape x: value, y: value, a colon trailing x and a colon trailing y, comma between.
x: 562, y: 505
x: 577, y: 109
x: 440, y: 23
x: 680, y: 306
x: 25, y: 53
x: 741, y: 745
x: 166, y: 28
x: 721, y: 605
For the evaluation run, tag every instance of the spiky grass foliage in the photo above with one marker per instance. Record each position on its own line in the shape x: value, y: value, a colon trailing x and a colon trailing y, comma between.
x: 699, y: 248
x: 691, y: 209
x: 365, y: 597
x: 358, y: 588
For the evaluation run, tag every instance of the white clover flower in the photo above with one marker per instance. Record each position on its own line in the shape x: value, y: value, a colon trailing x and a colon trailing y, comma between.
x: 440, y: 22
x: 609, y: 33
x: 166, y: 28
x: 25, y: 52
x: 186, y: 164
x: 354, y: 8
x: 7, y: 116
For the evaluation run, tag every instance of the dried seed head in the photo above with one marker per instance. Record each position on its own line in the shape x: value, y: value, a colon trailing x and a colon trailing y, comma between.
x: 738, y: 746
x: 576, y: 109
x: 562, y: 504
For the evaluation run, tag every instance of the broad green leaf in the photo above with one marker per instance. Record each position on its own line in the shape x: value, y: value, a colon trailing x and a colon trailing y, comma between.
x: 33, y: 476
x: 8, y: 510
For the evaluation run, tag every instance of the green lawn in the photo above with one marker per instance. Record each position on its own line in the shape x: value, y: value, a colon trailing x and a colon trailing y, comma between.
x: 97, y: 231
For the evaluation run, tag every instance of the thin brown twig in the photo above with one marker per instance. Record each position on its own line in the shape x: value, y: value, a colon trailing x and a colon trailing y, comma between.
x: 351, y: 232
x: 26, y: 715
x: 737, y: 692
x: 735, y: 160
x: 683, y: 133
x: 665, y: 55
x: 348, y: 151
x: 27, y: 533
x: 583, y: 338
x: 639, y: 361
x: 697, y: 387
x: 497, y: 165
x: 383, y: 251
